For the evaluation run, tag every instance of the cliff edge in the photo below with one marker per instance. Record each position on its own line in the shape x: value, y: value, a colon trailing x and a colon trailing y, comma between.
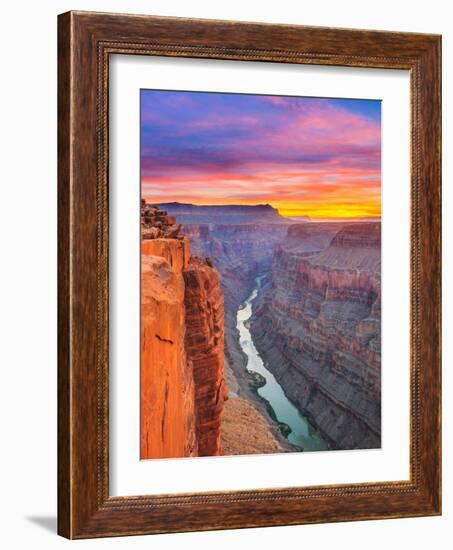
x: 182, y: 334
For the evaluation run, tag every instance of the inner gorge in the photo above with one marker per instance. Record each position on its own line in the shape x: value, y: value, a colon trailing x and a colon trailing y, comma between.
x: 260, y: 334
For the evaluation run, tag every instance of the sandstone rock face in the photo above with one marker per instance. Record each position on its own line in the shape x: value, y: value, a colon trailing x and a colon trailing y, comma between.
x: 317, y: 326
x: 167, y: 388
x: 157, y: 224
x: 204, y: 343
x: 182, y: 371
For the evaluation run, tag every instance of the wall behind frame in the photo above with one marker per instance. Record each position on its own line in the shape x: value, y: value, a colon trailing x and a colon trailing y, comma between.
x: 28, y: 277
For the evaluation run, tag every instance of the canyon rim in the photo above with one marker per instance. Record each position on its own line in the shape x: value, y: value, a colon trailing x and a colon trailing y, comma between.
x: 260, y: 274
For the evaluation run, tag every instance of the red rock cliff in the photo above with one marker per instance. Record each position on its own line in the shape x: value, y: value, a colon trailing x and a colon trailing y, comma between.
x: 205, y: 349
x: 182, y: 376
x: 167, y: 392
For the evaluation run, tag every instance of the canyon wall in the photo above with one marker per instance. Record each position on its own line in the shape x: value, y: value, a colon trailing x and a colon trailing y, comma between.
x: 204, y: 343
x: 182, y: 334
x: 167, y: 387
x: 317, y: 326
x: 240, y: 253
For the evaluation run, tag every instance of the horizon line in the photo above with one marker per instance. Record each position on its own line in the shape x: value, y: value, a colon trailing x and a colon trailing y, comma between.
x: 286, y: 217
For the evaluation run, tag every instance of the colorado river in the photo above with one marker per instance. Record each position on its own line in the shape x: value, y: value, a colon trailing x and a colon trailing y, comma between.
x: 302, y: 433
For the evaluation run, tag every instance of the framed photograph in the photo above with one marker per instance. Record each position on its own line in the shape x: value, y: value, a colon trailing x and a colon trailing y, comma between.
x: 249, y: 275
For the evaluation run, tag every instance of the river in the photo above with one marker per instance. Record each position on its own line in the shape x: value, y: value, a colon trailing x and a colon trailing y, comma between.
x: 303, y: 434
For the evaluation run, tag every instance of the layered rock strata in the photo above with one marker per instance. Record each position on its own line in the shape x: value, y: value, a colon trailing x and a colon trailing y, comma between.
x: 157, y: 224
x: 317, y: 326
x: 204, y: 343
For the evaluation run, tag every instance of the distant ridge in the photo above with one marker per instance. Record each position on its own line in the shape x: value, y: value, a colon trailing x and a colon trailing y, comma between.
x: 223, y: 214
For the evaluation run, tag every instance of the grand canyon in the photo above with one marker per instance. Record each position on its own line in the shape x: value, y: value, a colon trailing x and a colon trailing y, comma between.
x: 260, y: 334
x: 261, y: 274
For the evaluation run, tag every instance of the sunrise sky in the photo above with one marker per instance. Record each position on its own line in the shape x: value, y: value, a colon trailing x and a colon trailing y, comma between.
x: 305, y: 156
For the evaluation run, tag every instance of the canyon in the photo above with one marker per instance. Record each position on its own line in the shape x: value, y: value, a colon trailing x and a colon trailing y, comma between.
x: 237, y: 302
x: 317, y: 325
x: 241, y: 251
x: 184, y: 390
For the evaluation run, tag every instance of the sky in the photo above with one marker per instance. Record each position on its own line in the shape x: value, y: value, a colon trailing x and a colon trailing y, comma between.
x: 316, y: 157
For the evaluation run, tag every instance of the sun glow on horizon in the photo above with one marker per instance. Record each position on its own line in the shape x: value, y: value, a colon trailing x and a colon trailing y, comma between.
x: 312, y: 211
x: 342, y: 211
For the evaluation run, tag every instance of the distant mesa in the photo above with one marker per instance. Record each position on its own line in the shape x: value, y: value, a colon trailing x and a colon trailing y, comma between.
x: 223, y: 214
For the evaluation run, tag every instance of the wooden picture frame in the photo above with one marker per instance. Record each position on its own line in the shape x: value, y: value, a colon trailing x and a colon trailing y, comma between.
x: 85, y: 42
